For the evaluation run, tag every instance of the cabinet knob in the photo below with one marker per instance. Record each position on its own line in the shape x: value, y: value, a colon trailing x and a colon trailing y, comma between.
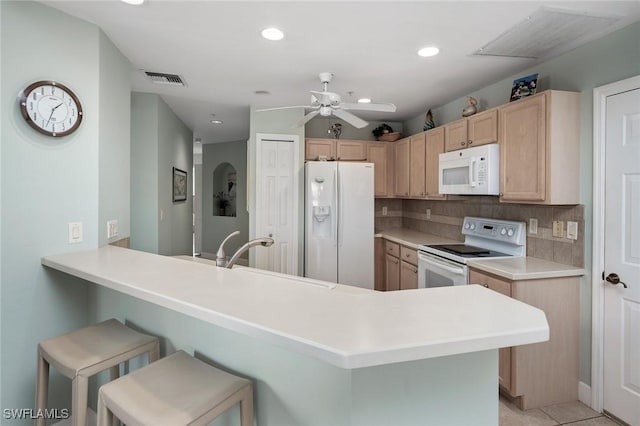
x: 462, y: 143
x: 469, y: 142
x: 485, y: 285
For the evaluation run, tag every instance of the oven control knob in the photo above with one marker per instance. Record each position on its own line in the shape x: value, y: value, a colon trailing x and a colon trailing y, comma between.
x: 510, y: 232
x: 466, y: 225
x: 503, y: 231
x: 473, y: 226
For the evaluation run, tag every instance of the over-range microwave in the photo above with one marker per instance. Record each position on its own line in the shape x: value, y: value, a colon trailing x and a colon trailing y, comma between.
x: 471, y: 171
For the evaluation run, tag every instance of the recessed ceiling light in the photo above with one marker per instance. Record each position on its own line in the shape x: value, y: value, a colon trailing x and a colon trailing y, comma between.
x: 364, y: 101
x: 262, y: 92
x: 198, y: 140
x: 273, y: 34
x: 216, y: 121
x: 428, y: 51
x: 133, y: 2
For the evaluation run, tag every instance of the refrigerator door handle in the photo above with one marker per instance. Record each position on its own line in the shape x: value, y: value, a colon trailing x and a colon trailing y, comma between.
x: 340, y: 210
x: 334, y: 226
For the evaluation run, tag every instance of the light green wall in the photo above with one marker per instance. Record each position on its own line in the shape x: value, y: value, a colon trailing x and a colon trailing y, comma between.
x: 46, y: 183
x: 612, y: 58
x: 145, y: 216
x: 317, y: 128
x: 276, y: 122
x: 159, y: 142
x: 216, y: 228
x: 115, y: 138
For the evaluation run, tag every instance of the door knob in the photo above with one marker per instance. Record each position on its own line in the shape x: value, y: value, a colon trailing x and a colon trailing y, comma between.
x: 613, y: 278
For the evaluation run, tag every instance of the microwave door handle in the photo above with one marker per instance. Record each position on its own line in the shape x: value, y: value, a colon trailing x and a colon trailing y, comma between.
x: 472, y: 172
x: 441, y: 265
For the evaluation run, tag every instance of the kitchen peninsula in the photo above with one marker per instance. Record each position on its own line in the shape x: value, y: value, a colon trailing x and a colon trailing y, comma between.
x: 326, y: 354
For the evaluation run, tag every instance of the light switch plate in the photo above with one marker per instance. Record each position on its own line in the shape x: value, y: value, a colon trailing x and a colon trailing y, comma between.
x: 112, y: 228
x: 75, y: 232
x: 558, y: 228
x: 428, y: 214
x: 384, y: 210
x: 572, y: 230
x: 533, y: 226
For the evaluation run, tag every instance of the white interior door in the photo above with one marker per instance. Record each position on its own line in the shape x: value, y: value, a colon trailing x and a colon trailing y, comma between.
x: 621, y: 357
x: 277, y: 204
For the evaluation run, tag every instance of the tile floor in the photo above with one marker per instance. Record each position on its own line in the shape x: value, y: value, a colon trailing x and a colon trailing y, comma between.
x: 571, y: 413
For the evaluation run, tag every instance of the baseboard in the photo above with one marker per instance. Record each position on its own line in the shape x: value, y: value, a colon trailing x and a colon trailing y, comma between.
x: 584, y: 393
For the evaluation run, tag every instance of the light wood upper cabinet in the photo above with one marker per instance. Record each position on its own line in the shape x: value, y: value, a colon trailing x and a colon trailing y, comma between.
x: 417, y: 159
x: 378, y: 154
x: 402, y: 167
x: 349, y: 150
x: 539, y: 149
x: 319, y: 147
x: 479, y: 129
x: 434, y: 146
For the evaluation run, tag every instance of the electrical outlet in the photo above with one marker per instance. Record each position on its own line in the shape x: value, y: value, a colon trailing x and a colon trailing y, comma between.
x: 75, y: 232
x: 533, y: 226
x: 572, y: 230
x: 384, y: 210
x: 558, y: 228
x: 112, y: 228
x: 428, y: 214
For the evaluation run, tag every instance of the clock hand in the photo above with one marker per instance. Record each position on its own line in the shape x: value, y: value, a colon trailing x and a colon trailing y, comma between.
x: 52, y: 110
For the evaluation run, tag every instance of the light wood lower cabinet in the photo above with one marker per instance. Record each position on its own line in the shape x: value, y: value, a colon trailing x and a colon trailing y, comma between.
x: 379, y: 259
x: 400, y: 264
x: 544, y: 373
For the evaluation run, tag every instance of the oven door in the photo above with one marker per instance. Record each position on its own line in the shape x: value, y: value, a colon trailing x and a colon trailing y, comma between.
x: 434, y: 271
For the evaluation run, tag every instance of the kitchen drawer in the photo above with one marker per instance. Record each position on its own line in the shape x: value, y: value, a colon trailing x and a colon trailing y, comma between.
x: 392, y: 248
x: 409, y: 255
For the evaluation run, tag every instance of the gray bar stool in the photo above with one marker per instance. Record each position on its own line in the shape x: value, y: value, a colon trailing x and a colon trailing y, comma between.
x: 177, y: 390
x: 82, y: 353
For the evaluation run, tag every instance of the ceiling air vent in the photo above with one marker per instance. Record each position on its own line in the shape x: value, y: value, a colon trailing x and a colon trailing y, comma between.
x: 166, y: 79
x: 547, y: 32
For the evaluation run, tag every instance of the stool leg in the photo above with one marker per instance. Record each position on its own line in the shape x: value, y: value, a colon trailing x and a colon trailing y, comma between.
x: 246, y: 408
x: 105, y: 416
x: 79, y: 396
x: 42, y: 388
x: 114, y: 372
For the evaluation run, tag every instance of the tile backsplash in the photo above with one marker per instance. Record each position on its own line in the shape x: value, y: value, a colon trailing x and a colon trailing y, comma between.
x: 445, y: 220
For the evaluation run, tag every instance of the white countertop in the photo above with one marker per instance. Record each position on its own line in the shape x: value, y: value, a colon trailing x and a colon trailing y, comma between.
x: 525, y: 268
x: 410, y: 238
x: 345, y: 326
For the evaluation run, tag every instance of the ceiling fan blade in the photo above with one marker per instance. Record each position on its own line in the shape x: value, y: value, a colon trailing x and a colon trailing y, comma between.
x: 369, y: 107
x: 285, y: 107
x: 306, y: 118
x: 350, y: 118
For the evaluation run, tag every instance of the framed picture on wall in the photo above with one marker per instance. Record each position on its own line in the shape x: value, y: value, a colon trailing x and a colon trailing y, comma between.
x: 179, y: 185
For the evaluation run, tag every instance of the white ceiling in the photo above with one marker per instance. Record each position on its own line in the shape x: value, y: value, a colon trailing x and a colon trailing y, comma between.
x: 370, y: 47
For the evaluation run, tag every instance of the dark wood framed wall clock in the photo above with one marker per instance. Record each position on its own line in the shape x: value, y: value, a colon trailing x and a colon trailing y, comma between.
x: 51, y: 108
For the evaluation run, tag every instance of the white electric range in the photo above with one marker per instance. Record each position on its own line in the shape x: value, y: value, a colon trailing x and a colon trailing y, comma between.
x: 446, y: 264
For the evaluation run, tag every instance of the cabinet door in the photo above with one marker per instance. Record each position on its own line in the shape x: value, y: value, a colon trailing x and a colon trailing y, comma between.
x: 351, y: 151
x: 319, y: 147
x: 504, y: 354
x: 417, y: 159
x: 379, y: 264
x: 377, y: 154
x: 392, y: 273
x: 483, y: 128
x: 455, y: 135
x: 523, y: 150
x: 434, y: 147
x: 402, y: 167
x: 408, y: 276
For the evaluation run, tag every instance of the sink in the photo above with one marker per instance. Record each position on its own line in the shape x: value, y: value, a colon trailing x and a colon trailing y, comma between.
x: 295, y: 278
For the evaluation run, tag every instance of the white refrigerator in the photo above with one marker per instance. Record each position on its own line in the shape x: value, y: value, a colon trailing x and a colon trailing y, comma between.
x: 339, y: 216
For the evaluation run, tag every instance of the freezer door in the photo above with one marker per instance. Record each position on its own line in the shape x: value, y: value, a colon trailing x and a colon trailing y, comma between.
x: 355, y: 224
x: 321, y: 248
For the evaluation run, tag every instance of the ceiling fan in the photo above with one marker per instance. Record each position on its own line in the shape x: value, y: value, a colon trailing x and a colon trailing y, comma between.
x: 327, y: 103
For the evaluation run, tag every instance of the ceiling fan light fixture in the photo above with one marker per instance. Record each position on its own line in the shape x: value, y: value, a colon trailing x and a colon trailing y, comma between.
x: 272, y: 34
x: 428, y: 51
x: 364, y: 100
x: 216, y: 121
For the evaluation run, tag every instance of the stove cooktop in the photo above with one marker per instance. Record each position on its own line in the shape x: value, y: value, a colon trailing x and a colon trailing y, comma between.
x: 465, y: 251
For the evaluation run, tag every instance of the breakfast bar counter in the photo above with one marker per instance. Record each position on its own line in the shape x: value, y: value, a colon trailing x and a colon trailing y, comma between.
x: 395, y: 358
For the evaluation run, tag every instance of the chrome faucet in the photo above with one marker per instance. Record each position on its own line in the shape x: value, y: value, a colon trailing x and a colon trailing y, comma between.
x: 264, y: 242
x: 221, y: 259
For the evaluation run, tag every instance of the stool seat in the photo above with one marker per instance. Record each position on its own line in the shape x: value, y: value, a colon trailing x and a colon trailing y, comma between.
x: 176, y: 390
x: 83, y: 353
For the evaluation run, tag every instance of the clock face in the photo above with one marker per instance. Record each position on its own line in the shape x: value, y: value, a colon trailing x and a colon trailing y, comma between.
x: 51, y: 108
